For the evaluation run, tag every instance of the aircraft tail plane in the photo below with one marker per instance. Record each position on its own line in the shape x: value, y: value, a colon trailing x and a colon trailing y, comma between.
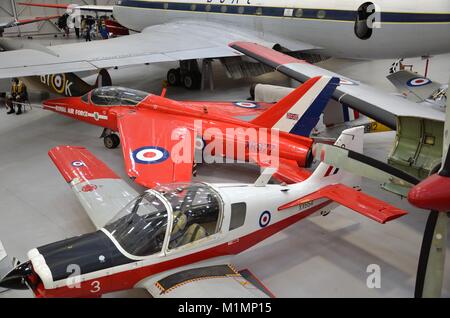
x: 414, y: 86
x: 342, y: 187
x: 299, y: 112
x: 67, y: 84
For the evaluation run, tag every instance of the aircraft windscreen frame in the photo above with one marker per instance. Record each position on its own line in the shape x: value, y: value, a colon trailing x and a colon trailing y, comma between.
x: 116, y: 95
x: 140, y: 227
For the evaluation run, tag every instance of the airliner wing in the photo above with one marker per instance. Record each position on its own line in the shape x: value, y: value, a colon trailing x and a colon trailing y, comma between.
x: 217, y: 281
x: 368, y: 100
x: 172, y: 41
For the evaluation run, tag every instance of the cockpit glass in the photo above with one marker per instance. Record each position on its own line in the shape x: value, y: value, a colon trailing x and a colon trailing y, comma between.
x: 140, y: 227
x: 196, y: 212
x: 114, y: 95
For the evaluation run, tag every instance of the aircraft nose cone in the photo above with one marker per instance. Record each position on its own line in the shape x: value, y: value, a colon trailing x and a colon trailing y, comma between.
x: 16, y: 278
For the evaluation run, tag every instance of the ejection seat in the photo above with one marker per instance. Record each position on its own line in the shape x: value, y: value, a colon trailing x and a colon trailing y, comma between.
x: 181, y: 235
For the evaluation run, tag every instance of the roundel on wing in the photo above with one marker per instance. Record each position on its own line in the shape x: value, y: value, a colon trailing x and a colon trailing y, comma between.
x: 264, y: 219
x: 150, y: 155
x: 78, y: 163
x: 418, y: 81
x: 246, y: 104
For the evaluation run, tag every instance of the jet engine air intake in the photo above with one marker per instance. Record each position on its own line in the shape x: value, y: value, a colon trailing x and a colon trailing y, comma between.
x: 363, y: 20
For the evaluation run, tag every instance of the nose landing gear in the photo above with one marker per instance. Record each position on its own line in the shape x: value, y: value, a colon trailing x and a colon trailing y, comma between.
x: 110, y: 139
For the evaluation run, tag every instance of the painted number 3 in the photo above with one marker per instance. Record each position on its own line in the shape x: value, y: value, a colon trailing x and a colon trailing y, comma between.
x: 95, y: 286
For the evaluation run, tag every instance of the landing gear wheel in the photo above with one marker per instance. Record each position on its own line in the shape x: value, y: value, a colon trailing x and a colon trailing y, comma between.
x: 111, y: 141
x: 192, y: 80
x: 173, y: 77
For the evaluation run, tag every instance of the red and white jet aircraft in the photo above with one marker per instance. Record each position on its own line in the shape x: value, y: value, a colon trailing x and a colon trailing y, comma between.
x: 177, y: 240
x: 152, y: 126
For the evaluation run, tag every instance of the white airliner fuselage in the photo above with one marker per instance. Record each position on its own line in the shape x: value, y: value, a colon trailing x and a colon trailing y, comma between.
x: 406, y: 27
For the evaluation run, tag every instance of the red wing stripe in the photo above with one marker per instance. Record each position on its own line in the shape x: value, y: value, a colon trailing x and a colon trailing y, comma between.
x: 37, y: 19
x: 44, y: 5
x: 265, y: 53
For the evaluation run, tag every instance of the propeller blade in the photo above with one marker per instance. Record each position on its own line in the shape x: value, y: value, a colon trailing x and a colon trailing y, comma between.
x: 17, y: 277
x: 430, y: 271
x: 364, y: 166
x: 445, y: 169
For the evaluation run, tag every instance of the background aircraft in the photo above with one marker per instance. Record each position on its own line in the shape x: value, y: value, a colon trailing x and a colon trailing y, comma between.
x: 417, y: 147
x: 432, y: 194
x: 419, y: 89
x: 177, y: 240
x: 186, y: 31
x: 16, y: 23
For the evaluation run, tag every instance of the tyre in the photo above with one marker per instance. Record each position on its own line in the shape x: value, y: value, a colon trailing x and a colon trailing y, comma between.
x: 173, y: 77
x: 111, y: 141
x: 192, y: 80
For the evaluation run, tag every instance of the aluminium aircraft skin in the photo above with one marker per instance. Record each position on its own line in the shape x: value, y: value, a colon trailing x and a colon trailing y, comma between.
x: 166, y: 265
x: 154, y: 129
x: 374, y: 103
x: 183, y: 30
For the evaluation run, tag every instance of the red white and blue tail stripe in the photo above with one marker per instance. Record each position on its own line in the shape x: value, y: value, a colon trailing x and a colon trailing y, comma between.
x: 299, y: 112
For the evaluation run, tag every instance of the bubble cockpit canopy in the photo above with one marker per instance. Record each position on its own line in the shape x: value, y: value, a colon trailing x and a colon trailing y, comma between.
x: 115, y: 95
x: 140, y: 227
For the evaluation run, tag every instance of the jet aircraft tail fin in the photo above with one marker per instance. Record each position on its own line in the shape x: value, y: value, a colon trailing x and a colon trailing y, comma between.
x: 352, y: 139
x: 299, y: 112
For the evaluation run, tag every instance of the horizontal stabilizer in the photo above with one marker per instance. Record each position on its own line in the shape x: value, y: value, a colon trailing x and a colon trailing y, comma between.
x: 100, y: 191
x: 364, y: 166
x: 414, y: 86
x: 360, y: 202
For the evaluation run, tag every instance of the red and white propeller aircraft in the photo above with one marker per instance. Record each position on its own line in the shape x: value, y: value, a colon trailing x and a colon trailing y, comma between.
x: 177, y: 240
x: 153, y: 127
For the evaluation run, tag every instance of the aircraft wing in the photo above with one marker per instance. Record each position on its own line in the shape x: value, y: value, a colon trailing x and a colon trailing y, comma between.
x: 368, y: 100
x: 172, y: 41
x: 85, y: 7
x: 217, y: 281
x: 16, y: 23
x: 101, y: 192
x: 414, y: 86
x: 148, y: 139
x: 234, y: 109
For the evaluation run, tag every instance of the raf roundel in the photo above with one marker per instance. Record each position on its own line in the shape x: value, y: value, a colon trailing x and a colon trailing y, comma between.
x: 58, y: 82
x: 246, y: 104
x: 78, y: 163
x: 418, y: 81
x: 264, y: 219
x: 150, y: 155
